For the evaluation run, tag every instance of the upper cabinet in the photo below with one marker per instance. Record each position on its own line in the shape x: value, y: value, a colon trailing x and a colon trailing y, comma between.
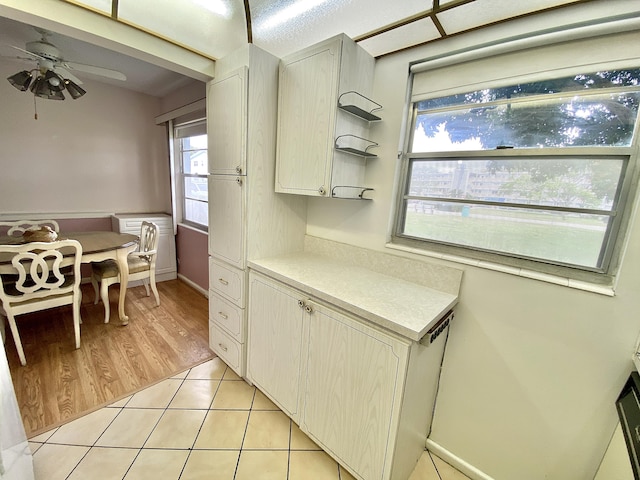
x: 324, y: 115
x: 227, y: 123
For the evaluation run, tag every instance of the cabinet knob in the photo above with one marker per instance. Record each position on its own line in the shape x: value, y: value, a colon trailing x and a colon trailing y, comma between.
x: 239, y: 181
x: 301, y: 303
x: 308, y: 309
x: 224, y: 349
x: 239, y: 170
x: 322, y: 190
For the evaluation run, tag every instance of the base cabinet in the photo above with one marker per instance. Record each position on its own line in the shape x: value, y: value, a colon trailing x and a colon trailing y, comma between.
x: 353, y: 389
x: 364, y: 395
x: 166, y: 264
x: 274, y: 356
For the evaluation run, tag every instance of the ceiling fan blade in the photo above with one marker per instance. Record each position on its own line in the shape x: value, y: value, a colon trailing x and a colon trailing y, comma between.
x: 34, y: 56
x: 16, y: 57
x: 104, y: 72
x: 67, y: 74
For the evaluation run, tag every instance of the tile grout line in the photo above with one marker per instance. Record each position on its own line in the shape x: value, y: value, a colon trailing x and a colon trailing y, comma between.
x: 289, y: 452
x: 90, y: 446
x: 193, y: 444
x: 93, y: 445
x: 180, y: 470
x: 154, y: 427
x: 246, y: 427
x: 435, y: 467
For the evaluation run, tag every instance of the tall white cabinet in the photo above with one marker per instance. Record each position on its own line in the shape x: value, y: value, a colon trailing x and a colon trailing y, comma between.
x: 324, y: 115
x: 247, y: 219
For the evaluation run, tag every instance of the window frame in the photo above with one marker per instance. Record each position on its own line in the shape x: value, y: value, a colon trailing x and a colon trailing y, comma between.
x: 617, y: 230
x: 181, y: 176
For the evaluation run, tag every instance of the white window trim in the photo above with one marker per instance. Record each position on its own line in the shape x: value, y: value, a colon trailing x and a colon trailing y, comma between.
x: 579, y: 281
x: 177, y: 187
x: 608, y: 290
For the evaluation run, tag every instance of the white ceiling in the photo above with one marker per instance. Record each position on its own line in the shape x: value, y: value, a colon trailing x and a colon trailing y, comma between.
x: 214, y: 28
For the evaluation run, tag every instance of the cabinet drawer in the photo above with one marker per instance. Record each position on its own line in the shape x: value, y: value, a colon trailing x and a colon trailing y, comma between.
x: 227, y: 315
x: 229, y: 350
x: 228, y: 281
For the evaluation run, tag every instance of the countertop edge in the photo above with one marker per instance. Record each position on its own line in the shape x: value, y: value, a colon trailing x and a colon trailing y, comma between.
x: 410, y: 333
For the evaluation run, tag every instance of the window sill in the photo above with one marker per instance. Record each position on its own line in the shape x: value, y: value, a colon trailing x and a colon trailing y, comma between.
x: 191, y: 227
x: 520, y: 272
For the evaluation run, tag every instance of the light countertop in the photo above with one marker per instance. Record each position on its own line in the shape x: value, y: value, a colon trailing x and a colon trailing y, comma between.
x: 405, y: 308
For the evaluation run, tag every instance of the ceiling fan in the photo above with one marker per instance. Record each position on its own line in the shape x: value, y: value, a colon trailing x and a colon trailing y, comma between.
x: 53, y: 72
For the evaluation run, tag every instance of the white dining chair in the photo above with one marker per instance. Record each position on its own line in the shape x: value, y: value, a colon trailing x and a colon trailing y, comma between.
x: 38, y: 280
x: 142, y: 266
x: 18, y: 227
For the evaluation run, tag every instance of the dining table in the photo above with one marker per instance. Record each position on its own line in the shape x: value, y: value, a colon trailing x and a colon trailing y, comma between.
x: 96, y: 247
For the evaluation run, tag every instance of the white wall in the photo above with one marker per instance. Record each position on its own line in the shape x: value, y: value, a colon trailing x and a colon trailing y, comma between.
x: 532, y: 369
x: 100, y: 153
x: 194, y: 91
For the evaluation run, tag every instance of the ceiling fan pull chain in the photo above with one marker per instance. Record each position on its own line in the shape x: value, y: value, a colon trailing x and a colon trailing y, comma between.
x: 35, y: 108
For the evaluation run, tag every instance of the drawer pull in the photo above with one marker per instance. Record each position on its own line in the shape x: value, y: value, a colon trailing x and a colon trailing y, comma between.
x: 224, y: 349
x: 223, y: 315
x: 223, y: 281
x: 308, y: 309
x: 301, y: 303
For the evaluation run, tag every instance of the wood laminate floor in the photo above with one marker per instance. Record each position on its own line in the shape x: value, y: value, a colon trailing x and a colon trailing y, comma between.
x: 60, y: 383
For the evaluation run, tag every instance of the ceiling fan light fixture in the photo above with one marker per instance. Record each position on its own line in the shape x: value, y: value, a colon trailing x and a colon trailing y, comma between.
x: 55, y: 95
x: 41, y: 88
x: 21, y: 80
x: 74, y: 90
x: 38, y: 85
x: 54, y: 80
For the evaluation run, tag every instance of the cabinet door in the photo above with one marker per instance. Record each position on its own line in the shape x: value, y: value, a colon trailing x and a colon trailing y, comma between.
x: 226, y: 218
x: 353, y: 390
x: 307, y: 104
x: 274, y: 341
x: 227, y: 123
x: 166, y: 259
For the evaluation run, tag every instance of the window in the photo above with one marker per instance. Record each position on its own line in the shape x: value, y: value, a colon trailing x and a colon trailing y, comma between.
x: 538, y: 172
x: 190, y: 141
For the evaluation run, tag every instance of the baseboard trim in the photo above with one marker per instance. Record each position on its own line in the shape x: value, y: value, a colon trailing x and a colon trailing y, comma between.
x: 455, y: 461
x: 194, y: 285
x: 180, y: 277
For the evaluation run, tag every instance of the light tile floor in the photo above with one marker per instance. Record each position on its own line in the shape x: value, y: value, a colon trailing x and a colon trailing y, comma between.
x: 206, y: 423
